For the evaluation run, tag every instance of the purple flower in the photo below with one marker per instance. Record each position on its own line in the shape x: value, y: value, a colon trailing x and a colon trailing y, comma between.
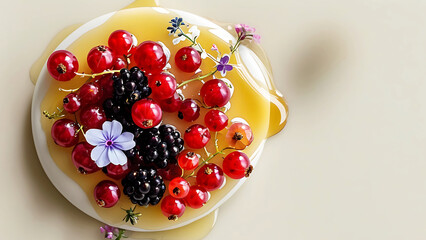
x: 223, y: 65
x: 109, y: 231
x: 245, y: 31
x: 110, y: 143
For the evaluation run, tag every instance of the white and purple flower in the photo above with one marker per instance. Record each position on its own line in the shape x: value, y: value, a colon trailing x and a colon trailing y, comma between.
x: 109, y: 231
x: 223, y: 65
x: 110, y: 143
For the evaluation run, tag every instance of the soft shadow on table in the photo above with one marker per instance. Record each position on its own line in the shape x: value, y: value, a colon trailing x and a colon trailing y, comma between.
x: 47, y: 202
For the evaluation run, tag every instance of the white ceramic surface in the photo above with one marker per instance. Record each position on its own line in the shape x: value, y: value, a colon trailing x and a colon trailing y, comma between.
x: 70, y: 189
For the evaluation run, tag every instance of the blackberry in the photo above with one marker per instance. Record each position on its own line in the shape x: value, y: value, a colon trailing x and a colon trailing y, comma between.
x: 144, y: 186
x: 160, y: 146
x: 129, y: 86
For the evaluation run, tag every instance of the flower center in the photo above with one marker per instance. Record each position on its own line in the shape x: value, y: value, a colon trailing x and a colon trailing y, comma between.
x: 108, y: 143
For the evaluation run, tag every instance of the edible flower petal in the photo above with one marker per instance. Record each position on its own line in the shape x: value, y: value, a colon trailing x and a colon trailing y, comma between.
x: 110, y: 142
x: 223, y: 65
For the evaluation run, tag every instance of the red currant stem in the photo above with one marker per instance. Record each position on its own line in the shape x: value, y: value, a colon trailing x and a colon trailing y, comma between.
x: 197, y: 78
x: 97, y: 74
x: 187, y: 37
x: 215, y: 142
x: 54, y: 115
x: 207, y: 152
x: 208, y: 159
x: 68, y: 90
x: 127, y: 58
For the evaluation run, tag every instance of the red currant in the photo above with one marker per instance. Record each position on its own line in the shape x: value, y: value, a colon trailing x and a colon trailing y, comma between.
x: 100, y: 58
x: 216, y: 120
x: 92, y: 117
x: 81, y: 158
x: 237, y: 165
x: 146, y: 113
x: 90, y: 93
x: 119, y: 63
x: 107, y: 194
x: 178, y: 187
x: 170, y: 172
x: 172, y: 208
x: 210, y: 176
x: 62, y: 65
x: 188, y: 160
x: 188, y: 59
x: 72, y: 103
x: 107, y: 86
x: 117, y: 172
x: 171, y: 104
x: 150, y: 57
x: 239, y: 135
x: 65, y: 132
x: 120, y: 42
x: 215, y: 93
x: 197, y: 197
x: 163, y: 86
x: 197, y: 136
x: 189, y: 110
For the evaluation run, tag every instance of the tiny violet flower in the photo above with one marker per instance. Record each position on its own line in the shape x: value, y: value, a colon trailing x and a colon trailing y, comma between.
x: 110, y: 143
x: 223, y: 65
x: 214, y: 48
x: 176, y: 23
x: 245, y: 31
x: 109, y: 231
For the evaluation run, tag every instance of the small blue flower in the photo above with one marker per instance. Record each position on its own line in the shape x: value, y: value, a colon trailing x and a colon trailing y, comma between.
x: 176, y: 23
x: 110, y: 143
x: 223, y: 65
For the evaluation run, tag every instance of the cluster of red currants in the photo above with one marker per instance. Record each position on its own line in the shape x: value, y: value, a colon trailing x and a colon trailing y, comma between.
x: 151, y: 58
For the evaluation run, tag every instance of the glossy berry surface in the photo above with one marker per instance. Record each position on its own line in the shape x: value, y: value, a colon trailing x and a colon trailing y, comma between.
x: 170, y: 172
x: 81, y: 159
x: 163, y: 86
x: 189, y: 110
x: 216, y: 120
x: 150, y: 57
x: 100, y: 58
x: 210, y: 176
x: 71, y: 103
x: 197, y: 197
x: 119, y: 63
x: 146, y: 113
x: 65, y: 132
x: 236, y: 165
x: 62, y: 65
x: 197, y: 136
x: 215, y: 93
x: 117, y: 172
x: 90, y: 93
x: 172, y: 208
x: 106, y: 194
x: 239, y: 135
x: 188, y: 59
x: 178, y: 187
x: 188, y: 160
x: 120, y: 41
x: 92, y: 117
x: 171, y: 104
x: 107, y: 86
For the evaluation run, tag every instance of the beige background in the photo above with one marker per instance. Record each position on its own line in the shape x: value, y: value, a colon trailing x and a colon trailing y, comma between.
x: 349, y: 165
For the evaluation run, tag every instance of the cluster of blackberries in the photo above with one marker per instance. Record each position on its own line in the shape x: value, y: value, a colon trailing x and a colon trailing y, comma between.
x: 129, y: 87
x: 144, y: 187
x: 157, y: 147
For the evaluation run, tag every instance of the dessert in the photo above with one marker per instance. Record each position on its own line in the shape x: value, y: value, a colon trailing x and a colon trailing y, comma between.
x: 167, y: 115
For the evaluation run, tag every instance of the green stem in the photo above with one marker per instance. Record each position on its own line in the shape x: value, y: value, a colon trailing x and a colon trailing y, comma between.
x: 207, y: 160
x: 120, y: 234
x: 197, y: 78
x: 97, y: 74
x: 186, y: 36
